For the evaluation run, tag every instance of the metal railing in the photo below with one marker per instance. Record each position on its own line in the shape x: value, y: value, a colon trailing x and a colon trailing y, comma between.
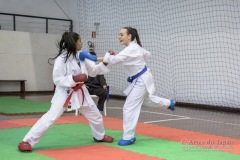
x: 46, y: 19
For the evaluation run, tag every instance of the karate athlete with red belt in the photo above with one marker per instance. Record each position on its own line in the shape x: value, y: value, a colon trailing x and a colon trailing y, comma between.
x: 69, y: 77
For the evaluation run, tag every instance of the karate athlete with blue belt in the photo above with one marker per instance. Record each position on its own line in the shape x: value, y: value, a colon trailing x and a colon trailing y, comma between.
x: 133, y: 58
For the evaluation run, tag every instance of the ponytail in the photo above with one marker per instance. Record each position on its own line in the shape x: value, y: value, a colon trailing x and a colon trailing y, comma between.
x: 138, y: 38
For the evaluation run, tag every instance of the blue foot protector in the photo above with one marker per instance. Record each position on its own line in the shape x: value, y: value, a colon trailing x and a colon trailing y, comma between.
x: 172, y: 105
x: 126, y: 142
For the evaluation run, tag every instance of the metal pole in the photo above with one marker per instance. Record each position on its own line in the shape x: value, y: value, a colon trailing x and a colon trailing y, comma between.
x: 46, y: 25
x: 71, y: 26
x: 14, y: 22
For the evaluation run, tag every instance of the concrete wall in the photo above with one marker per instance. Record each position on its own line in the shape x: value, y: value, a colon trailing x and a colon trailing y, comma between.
x: 25, y: 56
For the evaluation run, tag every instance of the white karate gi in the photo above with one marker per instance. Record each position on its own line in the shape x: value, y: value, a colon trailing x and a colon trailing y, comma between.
x: 133, y: 59
x: 62, y: 77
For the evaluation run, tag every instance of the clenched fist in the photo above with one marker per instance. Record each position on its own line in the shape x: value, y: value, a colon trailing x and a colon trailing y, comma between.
x: 80, y: 78
x: 111, y: 52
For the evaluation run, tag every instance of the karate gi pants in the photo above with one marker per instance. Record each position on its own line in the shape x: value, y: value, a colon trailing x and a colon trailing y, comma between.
x: 48, y: 119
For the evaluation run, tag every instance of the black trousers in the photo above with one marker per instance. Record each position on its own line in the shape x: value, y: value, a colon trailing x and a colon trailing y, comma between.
x: 101, y: 93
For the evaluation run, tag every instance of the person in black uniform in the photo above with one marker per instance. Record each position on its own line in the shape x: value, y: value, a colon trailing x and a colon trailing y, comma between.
x: 97, y: 86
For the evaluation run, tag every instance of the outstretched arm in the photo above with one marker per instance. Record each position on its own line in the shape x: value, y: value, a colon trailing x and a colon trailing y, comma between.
x: 119, y: 58
x: 86, y: 55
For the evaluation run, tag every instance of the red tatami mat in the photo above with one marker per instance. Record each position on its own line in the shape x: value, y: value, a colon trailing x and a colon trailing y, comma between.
x: 150, y: 130
x: 101, y: 152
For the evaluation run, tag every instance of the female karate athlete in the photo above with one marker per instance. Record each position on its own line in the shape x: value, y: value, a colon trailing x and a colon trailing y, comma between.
x: 133, y: 58
x: 69, y: 77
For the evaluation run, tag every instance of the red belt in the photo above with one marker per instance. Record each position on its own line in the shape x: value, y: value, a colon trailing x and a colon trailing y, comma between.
x: 77, y: 87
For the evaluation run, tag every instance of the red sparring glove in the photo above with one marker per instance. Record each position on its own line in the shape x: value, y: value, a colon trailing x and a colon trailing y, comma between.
x: 80, y: 78
x: 111, y: 52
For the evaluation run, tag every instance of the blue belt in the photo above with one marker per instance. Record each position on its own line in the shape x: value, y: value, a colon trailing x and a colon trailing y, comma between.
x: 107, y: 97
x: 130, y: 79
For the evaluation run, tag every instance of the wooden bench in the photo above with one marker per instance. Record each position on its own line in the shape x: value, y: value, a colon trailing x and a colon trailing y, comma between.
x: 21, y: 82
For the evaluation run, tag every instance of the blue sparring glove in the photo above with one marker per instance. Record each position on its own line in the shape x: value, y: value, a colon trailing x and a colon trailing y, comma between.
x: 86, y: 54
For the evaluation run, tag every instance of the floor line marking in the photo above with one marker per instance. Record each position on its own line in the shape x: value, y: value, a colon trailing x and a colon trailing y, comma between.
x: 216, y: 122
x: 164, y: 120
x: 233, y: 124
x: 152, y: 112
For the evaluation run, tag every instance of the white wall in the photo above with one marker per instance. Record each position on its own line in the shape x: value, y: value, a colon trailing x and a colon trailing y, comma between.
x: 25, y: 56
